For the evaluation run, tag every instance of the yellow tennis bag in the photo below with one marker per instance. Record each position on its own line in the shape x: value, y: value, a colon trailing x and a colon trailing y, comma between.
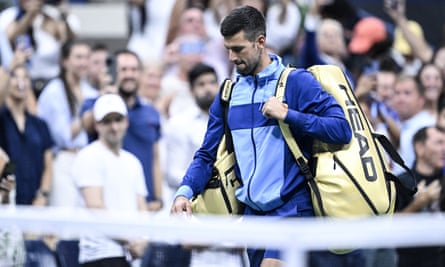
x: 218, y: 197
x: 349, y: 180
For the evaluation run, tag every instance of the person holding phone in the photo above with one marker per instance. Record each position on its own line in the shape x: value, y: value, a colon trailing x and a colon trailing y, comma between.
x: 26, y: 140
x: 6, y: 179
x: 43, y: 27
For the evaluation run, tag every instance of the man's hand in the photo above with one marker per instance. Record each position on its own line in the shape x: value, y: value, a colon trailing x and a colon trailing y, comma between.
x: 427, y: 194
x: 180, y: 205
x: 274, y: 109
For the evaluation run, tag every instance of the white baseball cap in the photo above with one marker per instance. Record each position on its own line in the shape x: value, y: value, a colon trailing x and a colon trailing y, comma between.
x: 108, y: 103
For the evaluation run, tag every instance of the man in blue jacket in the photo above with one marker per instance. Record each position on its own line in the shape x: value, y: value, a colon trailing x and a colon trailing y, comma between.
x: 273, y: 184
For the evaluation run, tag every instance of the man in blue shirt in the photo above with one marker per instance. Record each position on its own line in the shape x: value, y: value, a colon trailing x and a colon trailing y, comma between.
x: 144, y: 129
x: 273, y: 184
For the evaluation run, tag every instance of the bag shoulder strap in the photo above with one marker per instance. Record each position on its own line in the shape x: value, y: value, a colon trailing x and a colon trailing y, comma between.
x: 225, y: 95
x: 287, y: 134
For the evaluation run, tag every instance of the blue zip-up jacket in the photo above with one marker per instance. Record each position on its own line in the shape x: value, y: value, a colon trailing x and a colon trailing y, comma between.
x: 265, y: 164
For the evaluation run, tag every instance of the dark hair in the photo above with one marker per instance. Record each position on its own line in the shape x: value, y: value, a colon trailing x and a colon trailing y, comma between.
x: 199, y: 70
x: 419, y: 74
x: 422, y: 134
x: 441, y: 102
x: 404, y: 77
x: 388, y: 64
x: 127, y: 52
x: 65, y: 52
x: 244, y: 18
x: 99, y: 47
x: 422, y: 69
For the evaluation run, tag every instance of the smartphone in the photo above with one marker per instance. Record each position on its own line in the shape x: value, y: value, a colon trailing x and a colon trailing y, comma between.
x: 8, y: 169
x: 192, y: 47
x: 23, y: 41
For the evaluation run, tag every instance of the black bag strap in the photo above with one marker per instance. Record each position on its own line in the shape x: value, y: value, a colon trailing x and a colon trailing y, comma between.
x: 389, y: 148
x: 226, y: 94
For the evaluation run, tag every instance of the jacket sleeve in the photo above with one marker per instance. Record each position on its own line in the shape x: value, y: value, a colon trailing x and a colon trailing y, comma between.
x: 314, y: 112
x: 200, y: 170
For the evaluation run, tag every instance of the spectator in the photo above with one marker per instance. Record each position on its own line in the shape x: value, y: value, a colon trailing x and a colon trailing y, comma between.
x: 175, y: 93
x: 45, y: 28
x: 283, y: 19
x: 429, y: 147
x: 144, y: 129
x: 59, y: 106
x: 324, y: 42
x: 439, y: 59
x: 369, y: 43
x: 27, y: 141
x: 441, y: 112
x: 431, y: 79
x: 378, y: 90
x: 12, y: 247
x: 191, y: 22
x: 148, y: 23
x: 214, y: 12
x: 18, y: 58
x: 150, y: 89
x: 98, y: 73
x: 108, y: 178
x: 411, y: 50
x: 185, y: 131
x: 409, y: 103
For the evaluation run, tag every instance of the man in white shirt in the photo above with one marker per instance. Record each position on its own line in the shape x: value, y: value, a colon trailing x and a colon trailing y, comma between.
x: 109, y: 178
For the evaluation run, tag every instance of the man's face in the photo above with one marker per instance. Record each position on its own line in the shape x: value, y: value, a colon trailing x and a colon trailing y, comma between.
x: 128, y: 73
x: 112, y: 128
x: 432, y: 151
x: 244, y: 54
x: 98, y: 65
x: 192, y: 22
x: 205, y: 88
x: 407, y: 101
x: 385, y: 85
x: 151, y: 81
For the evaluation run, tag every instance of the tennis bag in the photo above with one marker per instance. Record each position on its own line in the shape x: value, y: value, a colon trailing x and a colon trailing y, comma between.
x: 349, y: 180
x: 218, y: 197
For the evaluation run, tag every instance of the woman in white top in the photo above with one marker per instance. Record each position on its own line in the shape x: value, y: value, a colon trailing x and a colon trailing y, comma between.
x: 59, y: 105
x: 44, y: 28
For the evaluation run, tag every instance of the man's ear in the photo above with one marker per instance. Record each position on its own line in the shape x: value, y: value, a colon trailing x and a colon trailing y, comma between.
x: 261, y: 41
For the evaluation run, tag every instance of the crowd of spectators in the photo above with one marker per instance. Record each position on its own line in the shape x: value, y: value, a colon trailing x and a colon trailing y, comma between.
x: 50, y: 80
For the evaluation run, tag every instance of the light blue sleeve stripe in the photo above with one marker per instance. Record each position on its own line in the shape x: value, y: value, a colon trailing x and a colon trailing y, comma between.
x: 185, y: 191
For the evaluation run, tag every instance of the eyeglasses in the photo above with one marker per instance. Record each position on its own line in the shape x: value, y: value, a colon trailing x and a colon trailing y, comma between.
x: 108, y: 121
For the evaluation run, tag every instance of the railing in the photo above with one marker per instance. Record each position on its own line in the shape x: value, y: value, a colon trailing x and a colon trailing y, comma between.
x: 293, y: 236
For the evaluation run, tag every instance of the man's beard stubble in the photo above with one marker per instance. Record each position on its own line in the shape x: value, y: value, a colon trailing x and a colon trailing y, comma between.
x: 125, y: 93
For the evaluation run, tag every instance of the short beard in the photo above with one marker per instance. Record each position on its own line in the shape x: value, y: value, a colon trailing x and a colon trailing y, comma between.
x: 204, y: 102
x: 125, y: 94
